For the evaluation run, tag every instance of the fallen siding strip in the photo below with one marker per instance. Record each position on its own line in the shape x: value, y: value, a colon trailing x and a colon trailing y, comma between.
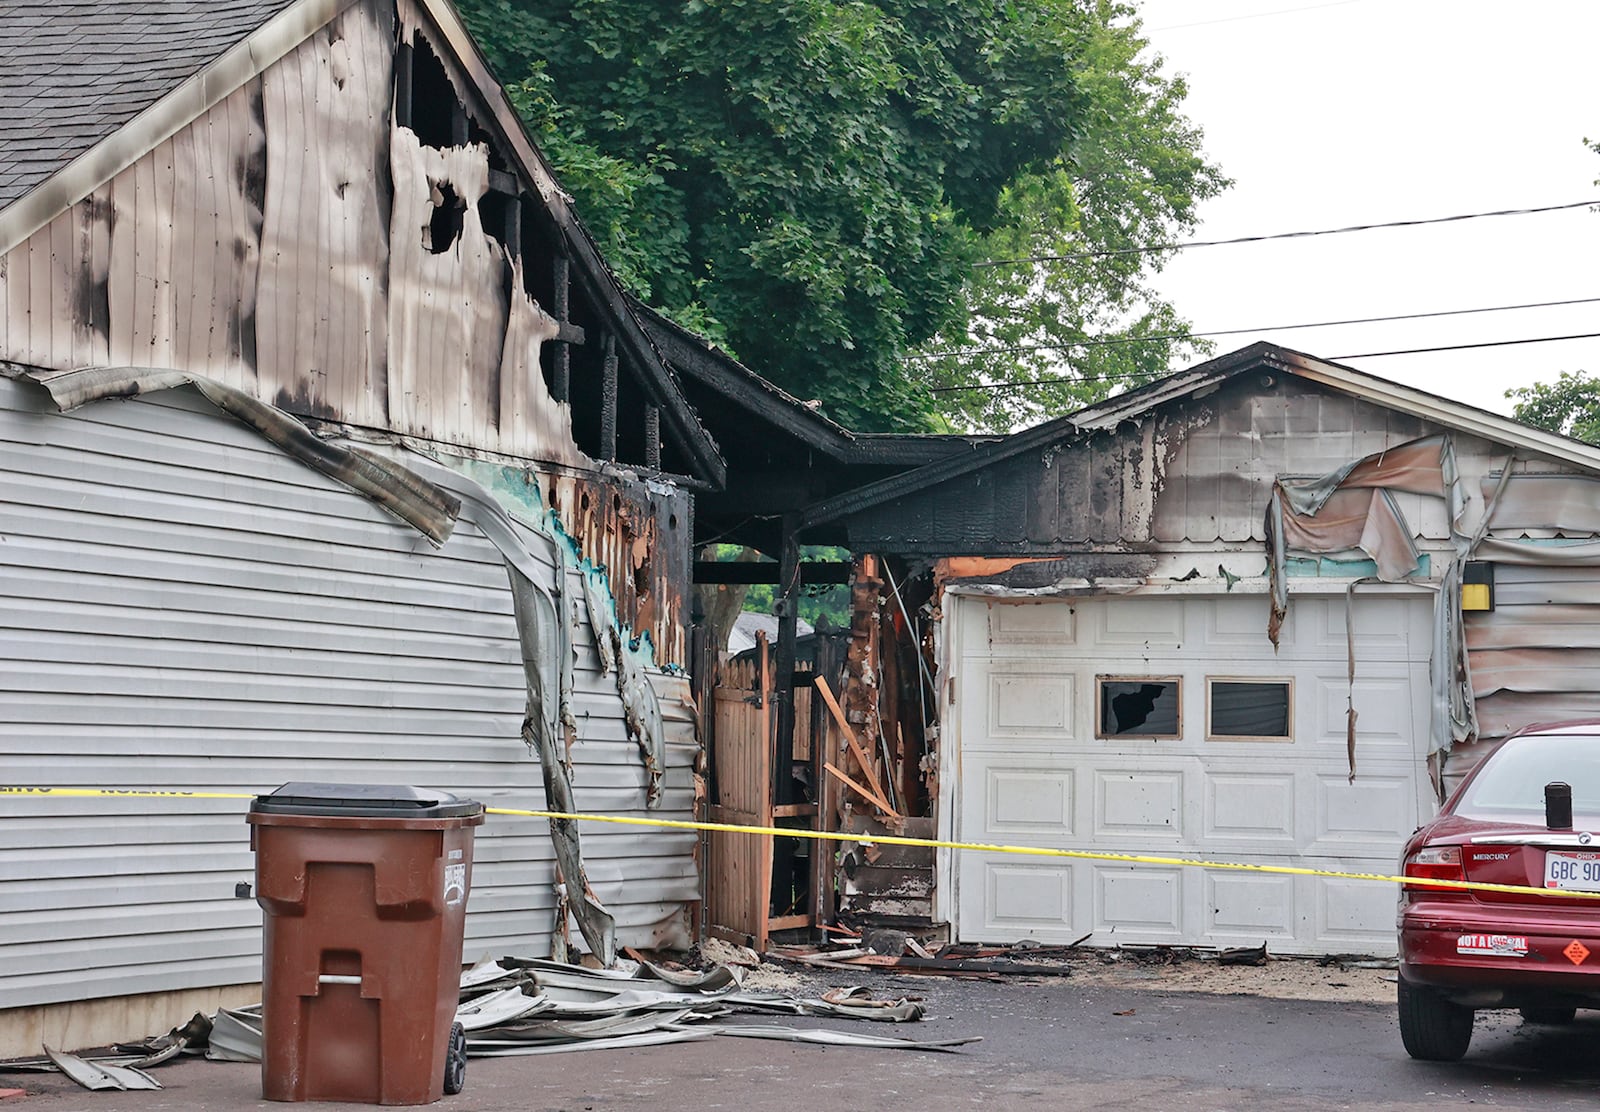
x: 544, y: 634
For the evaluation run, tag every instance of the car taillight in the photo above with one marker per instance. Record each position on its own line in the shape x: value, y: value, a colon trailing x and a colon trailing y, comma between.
x: 1434, y: 863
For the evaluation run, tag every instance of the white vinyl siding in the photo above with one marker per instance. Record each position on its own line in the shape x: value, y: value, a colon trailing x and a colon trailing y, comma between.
x: 183, y: 606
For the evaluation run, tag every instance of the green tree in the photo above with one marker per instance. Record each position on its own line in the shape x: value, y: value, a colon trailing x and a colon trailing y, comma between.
x: 1570, y: 405
x: 1081, y: 318
x: 809, y: 182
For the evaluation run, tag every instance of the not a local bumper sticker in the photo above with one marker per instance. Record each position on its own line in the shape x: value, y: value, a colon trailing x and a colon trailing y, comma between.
x: 1495, y: 945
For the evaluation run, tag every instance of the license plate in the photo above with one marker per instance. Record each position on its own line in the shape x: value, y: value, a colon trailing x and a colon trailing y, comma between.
x: 1576, y: 872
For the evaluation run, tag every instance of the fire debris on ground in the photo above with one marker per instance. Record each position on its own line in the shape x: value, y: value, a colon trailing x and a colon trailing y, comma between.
x: 525, y: 1006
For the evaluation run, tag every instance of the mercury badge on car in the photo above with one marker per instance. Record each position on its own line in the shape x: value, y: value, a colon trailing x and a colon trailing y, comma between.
x: 1525, y: 816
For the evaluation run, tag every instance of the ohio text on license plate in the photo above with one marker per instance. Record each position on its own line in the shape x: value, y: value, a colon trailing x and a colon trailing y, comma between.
x: 1576, y: 872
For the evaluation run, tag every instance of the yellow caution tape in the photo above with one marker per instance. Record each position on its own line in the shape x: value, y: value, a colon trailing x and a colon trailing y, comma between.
x: 883, y: 839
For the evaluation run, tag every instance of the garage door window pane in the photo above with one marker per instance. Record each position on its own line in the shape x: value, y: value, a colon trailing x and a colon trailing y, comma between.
x: 1253, y: 709
x: 1141, y: 706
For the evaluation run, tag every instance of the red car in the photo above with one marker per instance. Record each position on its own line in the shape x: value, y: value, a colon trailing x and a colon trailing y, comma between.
x: 1529, y: 814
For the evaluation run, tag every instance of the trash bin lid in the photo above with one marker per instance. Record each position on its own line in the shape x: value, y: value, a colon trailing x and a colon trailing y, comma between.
x: 389, y: 801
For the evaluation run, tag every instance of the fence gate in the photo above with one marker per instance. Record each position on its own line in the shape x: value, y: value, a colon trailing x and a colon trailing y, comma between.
x: 739, y: 866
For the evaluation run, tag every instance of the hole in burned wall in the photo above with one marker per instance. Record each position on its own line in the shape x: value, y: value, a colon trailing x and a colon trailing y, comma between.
x: 434, y: 104
x: 498, y: 214
x: 448, y: 213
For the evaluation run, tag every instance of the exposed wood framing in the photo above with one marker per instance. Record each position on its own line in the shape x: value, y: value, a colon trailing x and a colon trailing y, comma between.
x: 786, y: 606
x: 608, y: 399
x: 561, y: 354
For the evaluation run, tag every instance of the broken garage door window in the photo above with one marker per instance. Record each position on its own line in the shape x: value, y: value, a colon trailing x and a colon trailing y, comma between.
x: 1139, y: 706
x: 1252, y: 710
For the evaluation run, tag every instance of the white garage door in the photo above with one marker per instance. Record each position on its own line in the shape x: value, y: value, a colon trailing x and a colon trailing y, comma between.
x: 1168, y: 726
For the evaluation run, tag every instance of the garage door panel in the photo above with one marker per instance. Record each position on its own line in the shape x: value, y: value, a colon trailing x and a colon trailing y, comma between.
x: 1242, y: 628
x: 1139, y: 904
x: 1026, y: 627
x: 1007, y: 704
x: 1139, y: 803
x: 1253, y: 806
x: 1371, y: 817
x: 1243, y: 906
x: 1151, y: 623
x: 1355, y: 916
x: 1027, y: 702
x: 1020, y: 898
x: 1387, y: 628
x: 1029, y: 801
x: 1385, y: 718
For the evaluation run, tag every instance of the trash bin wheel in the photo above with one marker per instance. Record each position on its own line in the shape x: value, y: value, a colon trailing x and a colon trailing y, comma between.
x: 455, y: 1061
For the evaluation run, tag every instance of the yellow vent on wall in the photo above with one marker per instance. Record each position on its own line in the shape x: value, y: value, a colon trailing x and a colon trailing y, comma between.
x: 1476, y: 596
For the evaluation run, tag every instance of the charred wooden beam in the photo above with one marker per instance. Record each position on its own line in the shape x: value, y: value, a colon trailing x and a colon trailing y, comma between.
x: 608, y: 400
x: 504, y: 182
x: 569, y: 333
x: 652, y: 437
x: 459, y: 128
x: 514, y: 226
x: 785, y: 605
x: 561, y: 371
x: 812, y: 572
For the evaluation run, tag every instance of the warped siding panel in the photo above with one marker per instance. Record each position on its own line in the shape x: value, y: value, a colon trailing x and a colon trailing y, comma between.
x: 1533, y: 657
x: 224, y: 643
x: 262, y: 245
x: 322, y: 302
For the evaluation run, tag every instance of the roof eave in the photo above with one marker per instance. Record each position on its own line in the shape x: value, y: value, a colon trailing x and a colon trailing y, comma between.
x: 1107, y: 415
x: 603, y: 285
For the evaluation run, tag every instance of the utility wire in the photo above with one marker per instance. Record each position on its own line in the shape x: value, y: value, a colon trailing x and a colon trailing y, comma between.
x: 1158, y: 247
x: 1118, y: 341
x: 1463, y: 347
x: 1123, y: 377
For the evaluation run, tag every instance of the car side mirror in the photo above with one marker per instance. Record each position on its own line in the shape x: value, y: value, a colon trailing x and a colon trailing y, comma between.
x: 1558, y: 805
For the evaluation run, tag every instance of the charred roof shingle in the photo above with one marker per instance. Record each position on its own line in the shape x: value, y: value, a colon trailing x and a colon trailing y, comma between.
x: 74, y: 71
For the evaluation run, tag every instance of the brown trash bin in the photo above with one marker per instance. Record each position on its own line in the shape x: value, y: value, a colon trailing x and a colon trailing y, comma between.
x: 365, y: 893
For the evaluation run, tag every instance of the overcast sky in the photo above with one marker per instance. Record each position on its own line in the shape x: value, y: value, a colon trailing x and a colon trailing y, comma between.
x: 1363, y: 111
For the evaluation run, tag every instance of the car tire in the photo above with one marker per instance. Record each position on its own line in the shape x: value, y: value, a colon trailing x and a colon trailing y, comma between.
x: 1549, y: 1017
x: 1431, y: 1027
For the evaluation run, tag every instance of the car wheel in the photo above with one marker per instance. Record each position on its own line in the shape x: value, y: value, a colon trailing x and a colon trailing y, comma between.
x: 1552, y: 1017
x: 1432, y: 1028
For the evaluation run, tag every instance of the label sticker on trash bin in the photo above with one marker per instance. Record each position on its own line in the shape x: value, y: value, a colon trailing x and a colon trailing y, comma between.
x: 455, y: 884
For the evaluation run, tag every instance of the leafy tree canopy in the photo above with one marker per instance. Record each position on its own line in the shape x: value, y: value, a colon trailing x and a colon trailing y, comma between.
x: 1570, y: 405
x: 810, y: 183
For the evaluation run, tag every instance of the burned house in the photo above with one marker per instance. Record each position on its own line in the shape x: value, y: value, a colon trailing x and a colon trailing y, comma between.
x: 332, y: 451
x: 1264, y: 610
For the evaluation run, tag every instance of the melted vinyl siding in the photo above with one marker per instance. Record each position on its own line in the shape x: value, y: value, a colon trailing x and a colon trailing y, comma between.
x: 1222, y: 453
x: 281, y: 244
x: 185, y: 607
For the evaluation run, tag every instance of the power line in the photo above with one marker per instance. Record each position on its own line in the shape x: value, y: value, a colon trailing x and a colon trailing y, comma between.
x: 1186, y: 244
x: 1124, y: 377
x: 1122, y: 340
x: 1463, y: 347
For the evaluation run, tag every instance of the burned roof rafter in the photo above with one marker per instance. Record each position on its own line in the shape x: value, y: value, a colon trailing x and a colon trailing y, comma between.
x: 593, y: 275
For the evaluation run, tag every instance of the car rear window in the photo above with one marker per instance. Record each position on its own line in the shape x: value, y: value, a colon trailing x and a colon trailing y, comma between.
x: 1512, y: 778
